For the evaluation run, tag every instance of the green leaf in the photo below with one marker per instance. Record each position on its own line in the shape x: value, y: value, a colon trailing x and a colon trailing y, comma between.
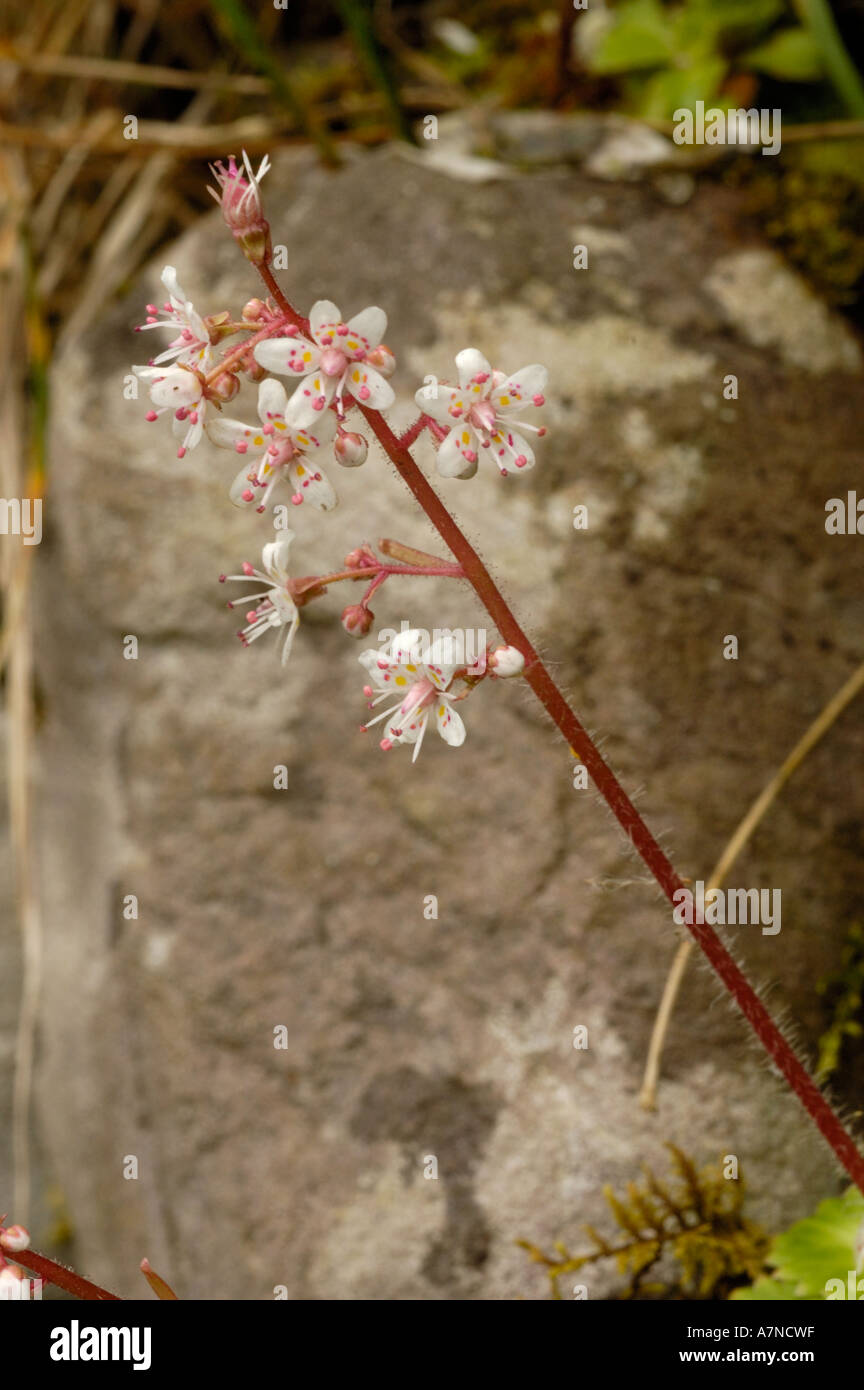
x: 641, y: 38
x: 820, y: 1248
x: 791, y: 55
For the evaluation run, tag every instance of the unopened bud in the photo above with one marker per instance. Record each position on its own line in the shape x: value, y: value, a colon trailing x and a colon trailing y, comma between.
x: 357, y: 620
x: 363, y: 558
x: 382, y: 359
x: 14, y: 1238
x: 224, y: 388
x: 506, y: 661
x: 10, y: 1280
x: 254, y: 371
x: 254, y: 310
x: 350, y: 449
x: 239, y: 198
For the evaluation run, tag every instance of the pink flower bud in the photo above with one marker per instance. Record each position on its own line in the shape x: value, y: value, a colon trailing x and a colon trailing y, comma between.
x: 239, y: 198
x: 224, y: 388
x: 382, y: 359
x: 357, y: 620
x: 14, y: 1238
x: 363, y: 558
x: 350, y: 449
x: 254, y: 371
x: 506, y: 661
x: 254, y: 310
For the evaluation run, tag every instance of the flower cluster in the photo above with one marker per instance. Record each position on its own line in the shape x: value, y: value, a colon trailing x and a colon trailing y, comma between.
x: 309, y: 375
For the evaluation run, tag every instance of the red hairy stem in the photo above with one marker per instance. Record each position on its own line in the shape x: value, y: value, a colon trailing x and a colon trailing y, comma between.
x: 53, y: 1273
x: 607, y: 784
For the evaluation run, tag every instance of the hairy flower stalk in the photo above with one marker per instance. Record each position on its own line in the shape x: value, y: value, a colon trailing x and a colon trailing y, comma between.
x: 578, y: 739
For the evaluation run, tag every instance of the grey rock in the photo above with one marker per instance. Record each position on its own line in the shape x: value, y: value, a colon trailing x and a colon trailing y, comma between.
x: 452, y: 1038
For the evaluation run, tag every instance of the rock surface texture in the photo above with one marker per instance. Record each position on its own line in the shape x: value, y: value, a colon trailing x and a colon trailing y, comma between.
x: 453, y: 1038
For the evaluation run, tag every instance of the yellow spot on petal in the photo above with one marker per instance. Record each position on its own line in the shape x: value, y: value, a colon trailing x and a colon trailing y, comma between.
x: 259, y: 439
x: 441, y: 711
x: 300, y: 470
x: 279, y: 425
x: 355, y: 375
x: 400, y: 680
x: 505, y: 400
x: 412, y: 669
x: 307, y: 357
x: 465, y: 437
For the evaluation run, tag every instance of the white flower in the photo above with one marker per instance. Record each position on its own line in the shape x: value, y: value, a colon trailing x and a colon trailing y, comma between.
x: 192, y: 344
x: 275, y: 607
x: 484, y: 407
x: 420, y: 679
x: 333, y: 362
x: 181, y: 390
x: 287, y: 449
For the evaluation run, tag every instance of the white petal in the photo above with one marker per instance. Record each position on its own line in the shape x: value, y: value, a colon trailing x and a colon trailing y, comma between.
x: 272, y: 399
x: 305, y: 423
x: 289, y: 637
x: 369, y: 661
x: 379, y: 393
x: 439, y: 404
x: 370, y: 324
x: 169, y: 280
x: 521, y: 387
x: 407, y: 647
x: 442, y: 659
x: 450, y: 459
x: 274, y: 354
x: 472, y: 363
x: 275, y: 555
x: 242, y: 484
x: 507, y: 445
x: 300, y: 412
x: 323, y: 314
x: 226, y: 433
x: 171, y: 386
x: 313, y: 486
x: 450, y: 725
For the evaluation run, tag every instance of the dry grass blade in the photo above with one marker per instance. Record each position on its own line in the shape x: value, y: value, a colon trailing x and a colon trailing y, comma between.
x: 134, y: 74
